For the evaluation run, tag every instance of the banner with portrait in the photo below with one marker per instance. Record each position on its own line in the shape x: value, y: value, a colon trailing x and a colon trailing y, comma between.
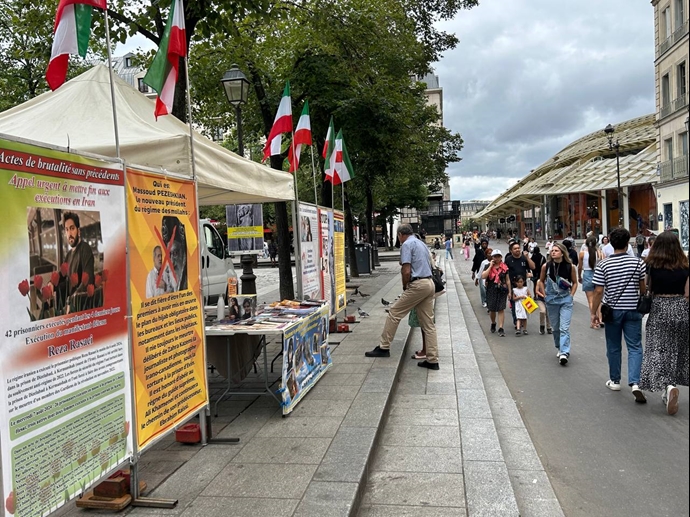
x: 309, y: 267
x: 245, y: 228
x: 306, y: 356
x: 327, y: 257
x: 167, y: 321
x: 339, y: 253
x: 65, y: 405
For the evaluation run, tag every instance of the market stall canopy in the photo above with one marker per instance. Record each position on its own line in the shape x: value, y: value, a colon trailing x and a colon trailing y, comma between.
x: 78, y: 116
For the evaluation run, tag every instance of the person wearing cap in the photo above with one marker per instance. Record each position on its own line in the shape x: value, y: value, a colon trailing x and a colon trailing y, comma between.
x: 519, y: 264
x: 497, y: 288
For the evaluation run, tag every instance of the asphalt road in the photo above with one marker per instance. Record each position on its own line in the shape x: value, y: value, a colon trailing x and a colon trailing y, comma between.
x: 605, y: 454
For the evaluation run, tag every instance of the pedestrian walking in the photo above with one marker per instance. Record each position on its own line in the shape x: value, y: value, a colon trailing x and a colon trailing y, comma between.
x: 520, y: 292
x: 557, y: 285
x: 418, y: 292
x: 273, y: 252
x: 466, y: 248
x: 572, y: 254
x: 619, y: 280
x: 478, y: 280
x: 539, y: 260
x: 449, y: 248
x: 497, y: 289
x: 519, y: 264
x: 648, y: 248
x: 665, y: 364
x: 589, y: 258
x: 640, y: 242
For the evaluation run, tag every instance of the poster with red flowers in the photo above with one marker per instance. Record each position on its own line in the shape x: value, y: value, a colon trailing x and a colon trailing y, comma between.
x: 65, y: 404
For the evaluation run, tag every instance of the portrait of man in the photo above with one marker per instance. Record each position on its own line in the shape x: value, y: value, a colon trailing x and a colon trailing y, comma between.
x: 156, y: 286
x: 80, y: 255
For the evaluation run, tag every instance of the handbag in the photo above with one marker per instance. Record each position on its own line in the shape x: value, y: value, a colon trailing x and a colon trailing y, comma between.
x: 644, y: 302
x: 437, y: 278
x: 529, y: 304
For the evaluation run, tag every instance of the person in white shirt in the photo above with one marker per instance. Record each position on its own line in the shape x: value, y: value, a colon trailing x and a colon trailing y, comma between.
x: 153, y: 286
x: 650, y: 241
x: 608, y: 250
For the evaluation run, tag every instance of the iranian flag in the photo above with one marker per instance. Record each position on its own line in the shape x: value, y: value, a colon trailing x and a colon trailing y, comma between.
x: 343, y: 170
x: 302, y: 137
x: 72, y: 31
x: 329, y: 151
x: 281, y: 124
x: 329, y: 134
x: 162, y: 76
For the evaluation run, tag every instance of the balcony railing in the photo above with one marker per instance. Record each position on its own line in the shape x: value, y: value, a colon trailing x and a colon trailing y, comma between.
x: 673, y: 106
x: 666, y: 109
x: 672, y: 39
x: 680, y: 32
x: 664, y: 46
x: 680, y: 102
x: 673, y: 169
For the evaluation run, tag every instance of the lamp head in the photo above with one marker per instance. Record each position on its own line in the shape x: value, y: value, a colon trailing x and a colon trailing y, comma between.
x: 236, y: 86
x: 608, y: 131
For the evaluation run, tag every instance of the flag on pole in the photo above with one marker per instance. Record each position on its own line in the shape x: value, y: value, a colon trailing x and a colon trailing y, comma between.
x: 329, y: 134
x: 302, y: 137
x: 343, y: 170
x: 329, y: 147
x: 162, y: 76
x: 72, y: 31
x: 281, y: 124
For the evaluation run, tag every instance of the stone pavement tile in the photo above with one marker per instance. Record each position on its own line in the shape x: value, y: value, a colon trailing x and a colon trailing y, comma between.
x: 421, y: 435
x: 343, y: 466
x: 366, y: 410
x: 285, y: 450
x: 489, y: 492
x: 533, y: 490
x: 379, y: 380
x: 191, y: 479
x: 424, y: 401
x: 506, y: 413
x: 245, y: 425
x: 518, y: 449
x: 261, y: 480
x: 378, y: 510
x: 339, y: 367
x: 409, y: 416
x: 464, y: 360
x: 327, y: 499
x: 473, y: 404
x: 442, y: 375
x: 479, y: 440
x: 353, y: 439
x: 342, y: 379
x: 415, y: 489
x: 320, y: 407
x: 240, y: 507
x: 440, y: 388
x: 468, y: 378
x: 383, y: 362
x: 306, y: 427
x: 356, y: 357
x: 322, y: 392
x: 411, y: 385
x: 496, y: 388
x: 419, y: 458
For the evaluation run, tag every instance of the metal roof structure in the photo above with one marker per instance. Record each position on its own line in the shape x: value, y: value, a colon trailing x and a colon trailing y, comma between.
x: 586, y: 165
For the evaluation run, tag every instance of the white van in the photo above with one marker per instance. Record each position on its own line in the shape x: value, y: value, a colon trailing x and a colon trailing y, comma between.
x: 216, y: 264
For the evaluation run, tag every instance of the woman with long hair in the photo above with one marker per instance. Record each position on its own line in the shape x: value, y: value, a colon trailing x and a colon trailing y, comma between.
x: 539, y: 260
x: 557, y: 285
x: 497, y: 288
x: 590, y: 255
x: 665, y: 364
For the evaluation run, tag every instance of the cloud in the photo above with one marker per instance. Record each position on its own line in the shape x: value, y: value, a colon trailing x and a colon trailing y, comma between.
x: 530, y: 76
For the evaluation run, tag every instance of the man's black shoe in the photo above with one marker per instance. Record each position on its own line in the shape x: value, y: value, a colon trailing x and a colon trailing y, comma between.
x: 427, y: 364
x: 378, y: 352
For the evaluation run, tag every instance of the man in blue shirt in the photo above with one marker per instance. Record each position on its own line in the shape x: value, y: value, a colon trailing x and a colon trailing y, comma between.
x: 418, y: 293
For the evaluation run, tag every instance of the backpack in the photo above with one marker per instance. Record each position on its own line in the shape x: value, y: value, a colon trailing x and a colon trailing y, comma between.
x: 639, y: 240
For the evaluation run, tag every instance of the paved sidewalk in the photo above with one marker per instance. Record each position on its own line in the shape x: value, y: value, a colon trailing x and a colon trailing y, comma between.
x: 381, y: 437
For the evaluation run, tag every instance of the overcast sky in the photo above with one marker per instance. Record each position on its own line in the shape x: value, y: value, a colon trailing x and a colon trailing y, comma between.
x: 530, y: 76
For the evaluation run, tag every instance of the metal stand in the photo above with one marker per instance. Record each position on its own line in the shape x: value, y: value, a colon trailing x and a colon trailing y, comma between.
x: 248, y: 277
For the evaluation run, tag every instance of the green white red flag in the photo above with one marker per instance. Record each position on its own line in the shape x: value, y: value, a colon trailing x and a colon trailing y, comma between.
x: 329, y: 134
x: 71, y: 36
x: 329, y: 151
x: 162, y: 76
x: 343, y: 170
x: 302, y: 137
x: 281, y: 124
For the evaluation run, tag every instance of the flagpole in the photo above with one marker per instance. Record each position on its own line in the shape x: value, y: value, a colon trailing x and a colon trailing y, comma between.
x: 189, y: 115
x: 112, y: 86
x: 295, y: 226
x: 313, y: 175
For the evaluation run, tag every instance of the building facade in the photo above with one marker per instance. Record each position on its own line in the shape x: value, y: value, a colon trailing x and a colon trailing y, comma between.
x: 672, y: 113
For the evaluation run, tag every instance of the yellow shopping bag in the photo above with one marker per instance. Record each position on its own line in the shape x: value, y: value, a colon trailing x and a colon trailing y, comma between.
x: 530, y: 305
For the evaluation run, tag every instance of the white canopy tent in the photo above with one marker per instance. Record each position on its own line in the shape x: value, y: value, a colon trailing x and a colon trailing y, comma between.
x: 78, y: 116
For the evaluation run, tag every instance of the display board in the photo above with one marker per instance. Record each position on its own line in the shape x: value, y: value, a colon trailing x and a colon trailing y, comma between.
x: 245, y: 228
x: 65, y: 404
x: 306, y: 356
x: 339, y: 255
x: 310, y: 251
x: 167, y: 322
x: 327, y: 257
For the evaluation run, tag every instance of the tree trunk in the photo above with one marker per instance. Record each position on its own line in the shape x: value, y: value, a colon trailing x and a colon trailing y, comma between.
x: 350, y: 239
x: 370, y: 223
x: 392, y: 240
x: 326, y: 192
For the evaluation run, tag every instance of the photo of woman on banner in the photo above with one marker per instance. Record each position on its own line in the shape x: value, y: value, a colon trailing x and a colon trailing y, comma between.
x: 175, y: 241
x: 289, y: 373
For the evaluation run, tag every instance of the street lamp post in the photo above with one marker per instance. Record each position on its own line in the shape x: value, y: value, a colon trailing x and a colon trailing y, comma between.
x: 615, y: 146
x: 236, y: 88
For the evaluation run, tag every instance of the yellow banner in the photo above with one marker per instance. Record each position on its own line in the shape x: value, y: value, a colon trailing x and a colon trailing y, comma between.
x: 246, y: 232
x: 167, y: 319
x: 339, y: 252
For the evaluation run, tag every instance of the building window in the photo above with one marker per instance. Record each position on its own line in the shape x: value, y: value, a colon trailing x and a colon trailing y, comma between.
x: 665, y: 90
x: 668, y: 148
x: 666, y: 28
x: 679, y: 14
x: 143, y: 88
x: 128, y: 62
x: 683, y: 143
x: 681, y: 77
